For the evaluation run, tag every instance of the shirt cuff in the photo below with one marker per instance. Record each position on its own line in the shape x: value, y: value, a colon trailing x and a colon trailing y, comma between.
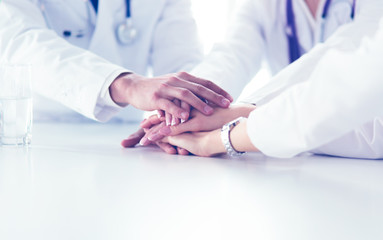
x: 106, y: 108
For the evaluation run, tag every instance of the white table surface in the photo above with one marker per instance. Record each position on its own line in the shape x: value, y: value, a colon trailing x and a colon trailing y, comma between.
x: 76, y: 182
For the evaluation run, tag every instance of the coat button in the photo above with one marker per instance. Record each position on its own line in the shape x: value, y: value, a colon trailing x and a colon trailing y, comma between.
x: 67, y: 33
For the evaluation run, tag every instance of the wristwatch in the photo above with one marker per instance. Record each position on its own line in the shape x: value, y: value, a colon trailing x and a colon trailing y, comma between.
x: 225, y: 137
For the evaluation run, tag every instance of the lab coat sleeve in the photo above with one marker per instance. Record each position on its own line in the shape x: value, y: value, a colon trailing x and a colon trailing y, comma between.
x: 364, y: 142
x: 346, y: 37
x: 342, y: 92
x: 62, y: 72
x: 233, y: 62
x: 175, y: 43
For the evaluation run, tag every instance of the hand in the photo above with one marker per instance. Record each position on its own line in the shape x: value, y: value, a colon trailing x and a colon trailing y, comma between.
x: 205, y: 144
x: 199, y: 122
x: 171, y: 120
x: 208, y: 144
x: 133, y: 139
x: 152, y: 124
x: 163, y: 145
x: 159, y: 92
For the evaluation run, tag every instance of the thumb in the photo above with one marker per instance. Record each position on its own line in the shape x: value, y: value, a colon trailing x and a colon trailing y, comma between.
x: 133, y: 139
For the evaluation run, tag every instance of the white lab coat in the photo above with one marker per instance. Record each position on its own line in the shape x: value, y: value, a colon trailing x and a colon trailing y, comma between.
x: 77, y: 72
x: 289, y: 119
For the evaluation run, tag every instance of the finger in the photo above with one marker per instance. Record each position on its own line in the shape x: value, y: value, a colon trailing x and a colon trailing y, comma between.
x: 160, y: 113
x: 185, y: 106
x: 145, y: 141
x: 212, y: 104
x: 170, y: 107
x: 133, y: 139
x: 168, y: 118
x: 200, y: 91
x: 182, y: 151
x: 166, y: 147
x: 189, y: 126
x: 175, y: 120
x: 153, y: 134
x: 184, y: 95
x: 208, y: 84
x: 152, y: 120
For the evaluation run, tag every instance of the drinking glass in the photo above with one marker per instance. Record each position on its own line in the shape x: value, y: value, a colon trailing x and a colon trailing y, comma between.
x: 15, y: 104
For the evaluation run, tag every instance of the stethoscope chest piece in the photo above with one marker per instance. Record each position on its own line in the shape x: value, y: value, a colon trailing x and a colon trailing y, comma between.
x: 126, y: 32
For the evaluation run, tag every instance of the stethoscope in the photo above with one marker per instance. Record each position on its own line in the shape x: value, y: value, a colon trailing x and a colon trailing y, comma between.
x: 294, y: 47
x: 126, y: 33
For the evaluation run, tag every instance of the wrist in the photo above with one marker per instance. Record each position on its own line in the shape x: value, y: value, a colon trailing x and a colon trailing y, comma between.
x: 214, y: 139
x: 244, y: 110
x: 122, y: 88
x: 240, y: 139
x: 226, y: 137
x: 236, y: 111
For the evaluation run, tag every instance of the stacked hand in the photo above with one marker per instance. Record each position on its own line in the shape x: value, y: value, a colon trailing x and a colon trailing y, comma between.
x: 160, y: 93
x: 194, y: 135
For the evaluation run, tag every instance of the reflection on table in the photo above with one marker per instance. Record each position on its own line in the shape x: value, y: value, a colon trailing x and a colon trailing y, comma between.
x: 76, y: 182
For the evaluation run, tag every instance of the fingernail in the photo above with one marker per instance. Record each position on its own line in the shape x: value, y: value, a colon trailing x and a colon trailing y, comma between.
x: 208, y: 109
x: 165, y: 131
x: 167, y: 123
x: 225, y: 102
x: 153, y: 137
x: 182, y: 121
x: 144, y: 141
x: 158, y: 115
x: 173, y: 121
x: 184, y: 115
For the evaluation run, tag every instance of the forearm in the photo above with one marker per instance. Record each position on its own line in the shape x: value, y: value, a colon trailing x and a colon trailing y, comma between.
x: 62, y: 72
x: 336, y: 99
x: 232, y: 63
x: 240, y: 139
x: 366, y: 141
x: 210, y: 143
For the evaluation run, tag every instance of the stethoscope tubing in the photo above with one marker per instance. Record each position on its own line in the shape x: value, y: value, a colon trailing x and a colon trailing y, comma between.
x: 126, y: 32
x: 294, y: 47
x: 128, y: 9
x: 294, y: 51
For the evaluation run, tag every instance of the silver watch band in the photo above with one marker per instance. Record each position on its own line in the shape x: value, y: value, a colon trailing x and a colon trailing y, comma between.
x: 225, y: 137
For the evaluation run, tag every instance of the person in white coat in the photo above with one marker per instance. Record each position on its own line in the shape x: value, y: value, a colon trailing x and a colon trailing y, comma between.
x: 92, y: 56
x: 330, y: 103
x: 310, y: 114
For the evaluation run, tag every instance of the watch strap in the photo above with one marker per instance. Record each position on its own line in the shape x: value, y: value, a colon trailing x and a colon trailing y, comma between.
x: 225, y: 137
